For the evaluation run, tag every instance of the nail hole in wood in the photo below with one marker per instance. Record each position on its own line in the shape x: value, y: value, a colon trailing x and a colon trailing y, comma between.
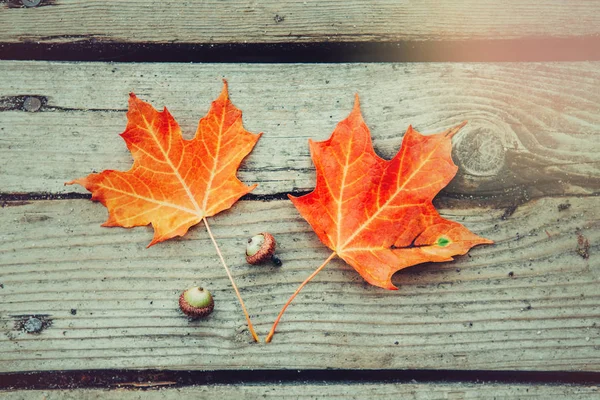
x: 32, y: 104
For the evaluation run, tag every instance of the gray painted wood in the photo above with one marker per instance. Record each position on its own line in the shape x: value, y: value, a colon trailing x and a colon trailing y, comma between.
x: 533, y: 127
x: 322, y: 391
x: 277, y: 21
x: 529, y: 302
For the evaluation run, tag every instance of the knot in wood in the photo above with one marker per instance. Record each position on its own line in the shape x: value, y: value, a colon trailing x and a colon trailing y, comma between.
x: 480, y: 152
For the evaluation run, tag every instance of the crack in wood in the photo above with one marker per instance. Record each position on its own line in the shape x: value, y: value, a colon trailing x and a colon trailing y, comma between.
x: 20, y: 102
x: 18, y: 199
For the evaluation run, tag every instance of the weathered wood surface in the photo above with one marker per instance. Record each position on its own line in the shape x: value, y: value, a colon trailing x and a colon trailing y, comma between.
x: 533, y: 128
x: 325, y: 391
x: 277, y: 21
x: 529, y: 302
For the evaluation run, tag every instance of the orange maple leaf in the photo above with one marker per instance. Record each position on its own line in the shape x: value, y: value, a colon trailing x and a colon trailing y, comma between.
x: 176, y: 183
x: 377, y: 215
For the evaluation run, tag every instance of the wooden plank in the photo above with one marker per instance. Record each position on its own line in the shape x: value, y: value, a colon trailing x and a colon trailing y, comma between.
x: 281, y: 21
x: 436, y: 391
x: 529, y: 302
x: 533, y: 128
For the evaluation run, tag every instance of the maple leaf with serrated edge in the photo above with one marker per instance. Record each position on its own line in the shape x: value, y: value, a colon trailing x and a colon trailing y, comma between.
x: 176, y: 183
x: 375, y: 214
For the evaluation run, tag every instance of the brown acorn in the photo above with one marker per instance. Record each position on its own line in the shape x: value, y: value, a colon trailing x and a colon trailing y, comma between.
x: 196, y: 302
x: 261, y: 248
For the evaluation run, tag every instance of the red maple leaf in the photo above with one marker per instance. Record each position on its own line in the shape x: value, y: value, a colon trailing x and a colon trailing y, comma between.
x: 377, y: 215
x: 176, y: 183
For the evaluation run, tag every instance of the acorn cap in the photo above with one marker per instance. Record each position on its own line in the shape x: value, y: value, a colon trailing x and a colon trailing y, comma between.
x: 196, y: 302
x: 260, y: 248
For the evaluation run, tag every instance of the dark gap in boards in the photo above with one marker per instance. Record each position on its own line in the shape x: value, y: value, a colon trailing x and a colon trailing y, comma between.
x: 501, y: 50
x: 175, y: 378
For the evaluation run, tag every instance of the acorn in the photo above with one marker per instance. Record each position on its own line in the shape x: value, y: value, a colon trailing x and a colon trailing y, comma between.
x: 261, y: 248
x: 196, y: 302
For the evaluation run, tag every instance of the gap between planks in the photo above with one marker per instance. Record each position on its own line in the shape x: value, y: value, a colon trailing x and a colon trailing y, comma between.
x: 585, y: 48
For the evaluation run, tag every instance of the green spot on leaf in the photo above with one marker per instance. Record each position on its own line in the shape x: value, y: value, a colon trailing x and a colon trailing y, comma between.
x: 443, y: 241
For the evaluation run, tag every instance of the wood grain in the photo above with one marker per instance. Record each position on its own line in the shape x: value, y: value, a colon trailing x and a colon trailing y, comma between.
x: 533, y: 127
x: 325, y: 391
x: 277, y: 21
x: 529, y: 302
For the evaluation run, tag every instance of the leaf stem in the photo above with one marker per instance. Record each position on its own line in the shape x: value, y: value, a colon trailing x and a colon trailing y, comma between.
x: 272, y: 332
x: 237, y: 292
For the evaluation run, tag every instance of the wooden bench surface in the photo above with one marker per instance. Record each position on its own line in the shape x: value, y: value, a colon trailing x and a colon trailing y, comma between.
x: 285, y: 21
x: 529, y: 178
x: 536, y: 120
